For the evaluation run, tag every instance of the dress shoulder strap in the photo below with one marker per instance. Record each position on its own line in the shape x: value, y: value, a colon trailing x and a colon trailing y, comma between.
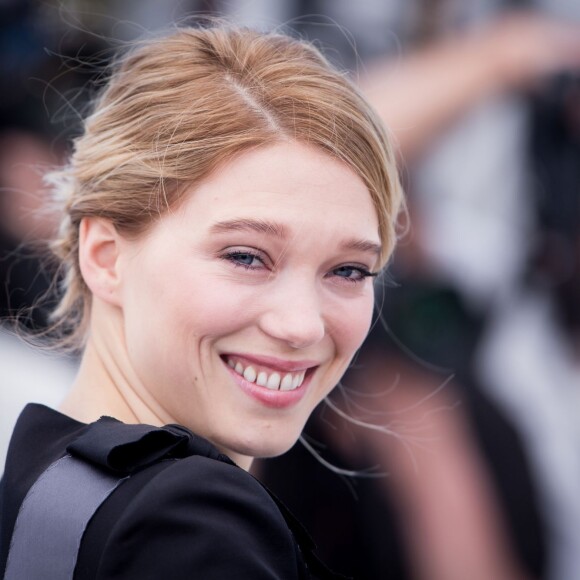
x: 58, y: 507
x: 53, y: 517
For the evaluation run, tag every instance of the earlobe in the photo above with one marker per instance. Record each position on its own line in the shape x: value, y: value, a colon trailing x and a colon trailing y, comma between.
x: 99, y: 245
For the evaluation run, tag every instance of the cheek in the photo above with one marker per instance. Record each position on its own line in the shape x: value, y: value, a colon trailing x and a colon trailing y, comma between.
x: 155, y: 308
x: 197, y: 306
x: 350, y: 324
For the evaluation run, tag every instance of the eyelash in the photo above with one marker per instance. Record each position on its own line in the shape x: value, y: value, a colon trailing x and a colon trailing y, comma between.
x: 363, y: 273
x: 233, y: 258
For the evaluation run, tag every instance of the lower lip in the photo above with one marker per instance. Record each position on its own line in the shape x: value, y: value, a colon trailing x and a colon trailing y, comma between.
x: 270, y: 397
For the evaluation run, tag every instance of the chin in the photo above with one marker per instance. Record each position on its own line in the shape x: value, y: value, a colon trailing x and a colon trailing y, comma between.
x: 261, y: 449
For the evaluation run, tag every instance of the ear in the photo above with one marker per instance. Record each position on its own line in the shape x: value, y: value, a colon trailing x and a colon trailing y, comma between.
x: 99, y: 246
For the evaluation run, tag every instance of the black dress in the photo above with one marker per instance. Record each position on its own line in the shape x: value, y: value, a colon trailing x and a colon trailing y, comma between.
x: 185, y: 511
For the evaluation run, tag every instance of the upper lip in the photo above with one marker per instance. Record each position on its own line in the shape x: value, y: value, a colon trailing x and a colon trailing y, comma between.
x: 275, y: 363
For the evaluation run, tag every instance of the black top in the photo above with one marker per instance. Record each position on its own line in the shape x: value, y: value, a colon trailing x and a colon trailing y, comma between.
x: 186, y: 511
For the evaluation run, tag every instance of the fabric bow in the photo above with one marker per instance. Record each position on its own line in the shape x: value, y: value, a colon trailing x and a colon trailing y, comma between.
x: 123, y: 449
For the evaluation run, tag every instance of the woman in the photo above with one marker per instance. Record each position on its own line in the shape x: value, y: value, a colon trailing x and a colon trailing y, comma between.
x: 227, y: 207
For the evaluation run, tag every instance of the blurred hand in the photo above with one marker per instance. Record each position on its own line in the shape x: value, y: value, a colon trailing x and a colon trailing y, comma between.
x: 24, y: 214
x: 526, y: 47
x: 422, y: 93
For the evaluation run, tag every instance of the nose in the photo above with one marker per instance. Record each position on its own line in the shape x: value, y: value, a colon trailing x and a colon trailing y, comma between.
x: 293, y: 314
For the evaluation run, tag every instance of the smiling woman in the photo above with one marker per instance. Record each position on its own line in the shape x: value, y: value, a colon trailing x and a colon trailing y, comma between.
x: 226, y: 209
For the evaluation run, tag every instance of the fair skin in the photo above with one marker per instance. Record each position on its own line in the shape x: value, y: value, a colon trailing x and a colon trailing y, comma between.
x: 238, y: 311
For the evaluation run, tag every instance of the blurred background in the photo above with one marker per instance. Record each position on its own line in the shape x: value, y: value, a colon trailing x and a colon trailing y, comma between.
x: 459, y: 416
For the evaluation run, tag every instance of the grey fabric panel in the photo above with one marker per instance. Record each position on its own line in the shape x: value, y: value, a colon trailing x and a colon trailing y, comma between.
x: 53, y: 518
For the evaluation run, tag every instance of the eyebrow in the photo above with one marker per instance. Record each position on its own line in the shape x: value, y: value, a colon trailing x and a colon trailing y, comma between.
x: 281, y: 231
x: 250, y: 225
x: 363, y: 246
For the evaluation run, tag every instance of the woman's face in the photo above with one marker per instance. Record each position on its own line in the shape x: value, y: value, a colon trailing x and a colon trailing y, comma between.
x: 243, y: 307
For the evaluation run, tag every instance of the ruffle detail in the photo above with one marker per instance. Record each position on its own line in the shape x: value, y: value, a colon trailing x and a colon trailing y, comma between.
x: 124, y: 449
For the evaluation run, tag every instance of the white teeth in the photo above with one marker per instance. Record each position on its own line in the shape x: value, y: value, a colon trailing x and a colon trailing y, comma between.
x: 250, y: 374
x: 271, y: 381
x: 286, y: 383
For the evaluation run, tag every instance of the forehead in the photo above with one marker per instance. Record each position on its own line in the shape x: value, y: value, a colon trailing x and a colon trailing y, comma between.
x: 290, y: 183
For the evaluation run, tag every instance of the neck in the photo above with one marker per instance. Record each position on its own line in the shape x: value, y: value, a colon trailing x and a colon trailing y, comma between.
x: 106, y: 383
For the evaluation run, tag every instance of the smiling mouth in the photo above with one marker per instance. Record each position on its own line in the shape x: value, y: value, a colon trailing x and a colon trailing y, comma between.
x: 273, y: 380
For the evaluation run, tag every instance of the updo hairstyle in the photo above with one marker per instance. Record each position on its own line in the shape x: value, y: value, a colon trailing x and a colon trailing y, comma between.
x: 178, y: 107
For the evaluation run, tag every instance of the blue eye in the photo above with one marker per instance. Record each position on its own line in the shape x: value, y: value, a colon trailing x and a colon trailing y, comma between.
x: 245, y: 259
x: 352, y: 273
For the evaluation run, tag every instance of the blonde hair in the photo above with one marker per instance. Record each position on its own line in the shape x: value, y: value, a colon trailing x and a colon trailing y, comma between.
x: 178, y: 107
